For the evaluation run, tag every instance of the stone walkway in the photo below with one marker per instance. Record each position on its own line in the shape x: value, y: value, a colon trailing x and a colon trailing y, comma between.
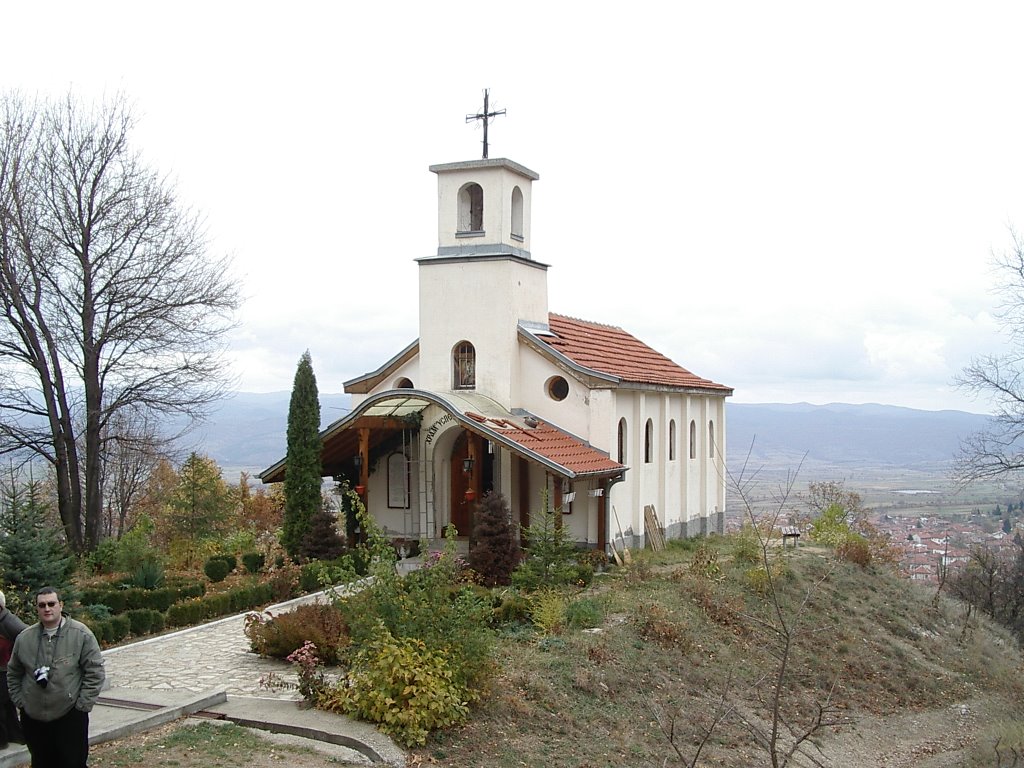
x: 199, y: 659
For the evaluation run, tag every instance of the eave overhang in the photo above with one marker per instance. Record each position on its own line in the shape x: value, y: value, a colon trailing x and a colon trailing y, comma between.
x: 363, y: 384
x: 386, y: 412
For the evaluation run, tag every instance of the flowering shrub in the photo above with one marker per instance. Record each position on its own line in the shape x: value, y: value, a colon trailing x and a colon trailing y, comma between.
x: 278, y: 635
x: 311, y: 674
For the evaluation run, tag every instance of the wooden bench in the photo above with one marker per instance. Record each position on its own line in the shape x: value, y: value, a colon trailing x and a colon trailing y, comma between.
x: 790, y: 532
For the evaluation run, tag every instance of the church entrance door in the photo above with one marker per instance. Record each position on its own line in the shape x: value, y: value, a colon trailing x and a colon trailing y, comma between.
x: 461, y: 508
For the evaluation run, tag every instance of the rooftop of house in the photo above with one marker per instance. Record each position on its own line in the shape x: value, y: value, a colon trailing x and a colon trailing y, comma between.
x: 611, y: 350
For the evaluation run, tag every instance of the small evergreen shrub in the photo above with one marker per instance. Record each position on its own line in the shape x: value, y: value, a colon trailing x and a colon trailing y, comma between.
x: 511, y: 607
x: 495, y: 551
x: 141, y: 620
x: 149, y: 574
x: 321, y: 541
x: 548, y: 611
x: 216, y: 569
x: 119, y: 628
x: 96, y: 611
x: 550, y: 555
x: 228, y: 558
x: 584, y: 613
x: 253, y: 561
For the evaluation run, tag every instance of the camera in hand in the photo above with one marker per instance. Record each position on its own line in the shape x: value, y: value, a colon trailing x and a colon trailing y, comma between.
x: 42, y: 676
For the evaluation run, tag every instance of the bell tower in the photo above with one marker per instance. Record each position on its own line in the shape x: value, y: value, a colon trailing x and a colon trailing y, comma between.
x: 483, y: 208
x: 482, y: 282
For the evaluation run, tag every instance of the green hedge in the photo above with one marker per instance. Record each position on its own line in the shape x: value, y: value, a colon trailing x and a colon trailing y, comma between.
x: 213, y: 606
x: 121, y: 600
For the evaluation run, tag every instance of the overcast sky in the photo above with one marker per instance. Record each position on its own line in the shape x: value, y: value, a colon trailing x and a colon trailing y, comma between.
x: 798, y: 200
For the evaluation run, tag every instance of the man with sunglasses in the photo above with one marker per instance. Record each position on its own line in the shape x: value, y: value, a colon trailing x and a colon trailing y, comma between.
x: 55, y: 676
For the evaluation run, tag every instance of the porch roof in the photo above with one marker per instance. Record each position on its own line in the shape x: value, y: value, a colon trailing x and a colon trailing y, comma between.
x: 389, y: 412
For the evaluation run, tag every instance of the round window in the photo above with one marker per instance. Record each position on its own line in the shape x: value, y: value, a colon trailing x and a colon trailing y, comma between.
x: 558, y: 388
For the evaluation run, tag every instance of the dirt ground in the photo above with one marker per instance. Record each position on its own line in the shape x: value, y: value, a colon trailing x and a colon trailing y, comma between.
x: 258, y: 749
x: 931, y: 739
x: 938, y: 738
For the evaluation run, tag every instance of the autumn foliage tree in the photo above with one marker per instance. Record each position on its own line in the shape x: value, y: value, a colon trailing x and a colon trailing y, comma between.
x: 199, y: 507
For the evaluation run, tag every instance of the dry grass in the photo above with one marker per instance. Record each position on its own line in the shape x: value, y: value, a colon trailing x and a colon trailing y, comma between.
x: 677, y: 637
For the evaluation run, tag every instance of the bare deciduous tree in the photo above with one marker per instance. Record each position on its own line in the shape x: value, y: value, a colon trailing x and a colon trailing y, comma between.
x: 999, y: 448
x: 109, y: 298
x: 784, y: 732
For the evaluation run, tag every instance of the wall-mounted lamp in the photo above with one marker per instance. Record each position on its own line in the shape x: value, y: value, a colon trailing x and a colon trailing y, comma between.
x: 357, y: 461
x: 467, y: 465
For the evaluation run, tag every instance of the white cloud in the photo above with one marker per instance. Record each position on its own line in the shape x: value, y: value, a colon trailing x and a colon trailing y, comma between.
x: 797, y: 199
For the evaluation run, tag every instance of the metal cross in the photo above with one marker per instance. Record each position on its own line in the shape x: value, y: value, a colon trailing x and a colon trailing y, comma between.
x: 486, y: 115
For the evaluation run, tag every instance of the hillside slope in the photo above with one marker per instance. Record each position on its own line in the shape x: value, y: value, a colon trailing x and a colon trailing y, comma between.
x: 687, y: 652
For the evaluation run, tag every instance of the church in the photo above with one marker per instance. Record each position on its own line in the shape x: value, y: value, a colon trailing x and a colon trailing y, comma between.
x: 499, y: 394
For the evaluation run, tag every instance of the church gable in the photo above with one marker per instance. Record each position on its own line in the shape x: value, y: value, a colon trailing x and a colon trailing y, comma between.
x: 611, y: 351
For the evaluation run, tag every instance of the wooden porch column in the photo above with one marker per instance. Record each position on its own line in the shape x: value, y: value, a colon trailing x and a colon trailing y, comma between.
x: 364, y: 454
x: 557, y: 499
x: 524, y: 497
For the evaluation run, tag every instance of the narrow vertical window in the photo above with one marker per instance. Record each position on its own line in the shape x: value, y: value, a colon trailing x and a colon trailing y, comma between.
x: 622, y: 441
x: 471, y: 208
x: 464, y: 366
x: 649, y: 442
x: 672, y: 440
x: 517, y: 213
x: 693, y: 439
x: 711, y: 439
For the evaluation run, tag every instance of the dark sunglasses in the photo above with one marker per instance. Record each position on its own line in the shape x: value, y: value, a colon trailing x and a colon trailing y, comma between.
x: 50, y: 604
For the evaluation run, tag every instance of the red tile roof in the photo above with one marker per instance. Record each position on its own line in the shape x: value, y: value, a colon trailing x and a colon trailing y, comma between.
x: 610, y: 350
x: 555, y: 445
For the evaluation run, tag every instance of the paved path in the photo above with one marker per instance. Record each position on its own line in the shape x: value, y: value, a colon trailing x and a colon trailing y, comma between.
x: 183, y: 672
x: 199, y: 659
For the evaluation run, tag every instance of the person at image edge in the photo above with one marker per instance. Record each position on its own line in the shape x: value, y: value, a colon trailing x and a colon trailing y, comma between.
x: 55, y: 676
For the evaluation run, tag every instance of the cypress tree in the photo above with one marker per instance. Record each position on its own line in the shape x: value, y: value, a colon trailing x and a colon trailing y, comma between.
x: 302, y: 476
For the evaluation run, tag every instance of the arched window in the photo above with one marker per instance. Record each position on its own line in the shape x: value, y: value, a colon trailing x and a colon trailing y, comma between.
x: 517, y: 213
x: 471, y: 208
x: 672, y: 440
x: 622, y: 441
x: 648, y: 442
x: 711, y: 439
x: 403, y: 383
x: 693, y: 439
x: 464, y: 366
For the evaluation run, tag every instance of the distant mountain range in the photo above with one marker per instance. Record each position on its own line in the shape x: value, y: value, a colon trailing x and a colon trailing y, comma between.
x: 247, y: 432
x: 839, y: 435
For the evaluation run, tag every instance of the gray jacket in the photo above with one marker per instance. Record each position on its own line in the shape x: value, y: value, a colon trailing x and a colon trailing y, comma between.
x: 76, y: 671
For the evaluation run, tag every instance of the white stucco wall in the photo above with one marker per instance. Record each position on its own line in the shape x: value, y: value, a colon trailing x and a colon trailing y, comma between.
x: 480, y: 301
x: 497, y: 182
x: 530, y: 391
